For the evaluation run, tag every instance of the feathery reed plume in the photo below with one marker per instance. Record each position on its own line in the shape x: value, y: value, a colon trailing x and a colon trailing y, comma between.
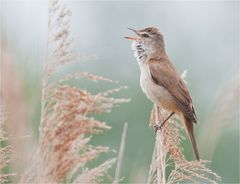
x: 5, y: 149
x: 65, y: 127
x: 94, y: 175
x: 168, y: 155
x: 225, y: 110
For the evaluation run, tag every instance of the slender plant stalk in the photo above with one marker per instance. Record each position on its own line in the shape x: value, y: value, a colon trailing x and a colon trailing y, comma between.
x: 120, y: 154
x: 160, y: 150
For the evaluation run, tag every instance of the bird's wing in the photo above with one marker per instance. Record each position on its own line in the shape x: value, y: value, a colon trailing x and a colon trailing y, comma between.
x: 164, y: 74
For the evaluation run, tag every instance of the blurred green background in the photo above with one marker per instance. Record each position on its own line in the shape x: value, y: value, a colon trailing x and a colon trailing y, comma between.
x: 201, y: 37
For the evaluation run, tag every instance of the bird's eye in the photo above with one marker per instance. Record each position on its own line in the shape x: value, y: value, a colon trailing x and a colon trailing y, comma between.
x: 145, y: 35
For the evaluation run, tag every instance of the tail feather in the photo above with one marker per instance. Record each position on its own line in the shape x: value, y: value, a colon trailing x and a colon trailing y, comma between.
x: 189, y: 128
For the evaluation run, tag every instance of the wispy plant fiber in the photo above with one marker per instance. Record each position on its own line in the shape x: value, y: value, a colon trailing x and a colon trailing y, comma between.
x: 66, y: 124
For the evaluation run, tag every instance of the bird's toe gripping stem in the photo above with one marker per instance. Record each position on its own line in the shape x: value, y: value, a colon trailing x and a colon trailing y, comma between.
x: 158, y: 126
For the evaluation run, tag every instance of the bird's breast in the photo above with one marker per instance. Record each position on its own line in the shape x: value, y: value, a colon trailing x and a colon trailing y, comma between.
x: 157, y: 94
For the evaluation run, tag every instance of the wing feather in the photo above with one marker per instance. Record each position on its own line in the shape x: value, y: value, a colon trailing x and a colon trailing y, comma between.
x: 164, y: 74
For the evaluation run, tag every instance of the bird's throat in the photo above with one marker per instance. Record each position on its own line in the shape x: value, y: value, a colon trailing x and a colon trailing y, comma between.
x: 139, y: 51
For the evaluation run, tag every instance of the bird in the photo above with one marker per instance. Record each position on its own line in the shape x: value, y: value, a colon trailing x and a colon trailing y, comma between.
x: 161, y: 82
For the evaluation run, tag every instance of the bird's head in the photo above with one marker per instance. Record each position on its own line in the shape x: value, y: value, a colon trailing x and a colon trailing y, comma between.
x: 151, y: 37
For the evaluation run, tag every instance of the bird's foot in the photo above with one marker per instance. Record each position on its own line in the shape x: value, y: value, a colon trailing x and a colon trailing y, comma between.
x: 160, y: 124
x: 158, y: 127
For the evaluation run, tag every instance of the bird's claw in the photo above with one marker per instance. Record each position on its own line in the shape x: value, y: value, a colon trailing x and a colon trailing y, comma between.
x: 158, y: 127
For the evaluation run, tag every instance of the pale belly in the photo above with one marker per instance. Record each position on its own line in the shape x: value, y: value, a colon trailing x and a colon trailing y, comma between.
x: 157, y: 94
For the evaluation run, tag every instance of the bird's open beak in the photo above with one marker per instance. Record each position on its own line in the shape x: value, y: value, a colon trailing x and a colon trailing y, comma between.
x: 133, y: 37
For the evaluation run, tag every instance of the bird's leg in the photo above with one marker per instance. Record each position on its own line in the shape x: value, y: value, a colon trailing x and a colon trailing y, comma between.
x: 157, y: 119
x: 160, y: 125
x: 156, y: 115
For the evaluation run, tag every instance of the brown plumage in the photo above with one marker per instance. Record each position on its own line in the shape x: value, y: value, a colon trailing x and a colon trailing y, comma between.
x: 161, y: 75
x: 160, y: 81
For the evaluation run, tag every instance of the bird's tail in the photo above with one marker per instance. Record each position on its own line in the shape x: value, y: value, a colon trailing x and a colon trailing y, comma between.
x: 189, y: 128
